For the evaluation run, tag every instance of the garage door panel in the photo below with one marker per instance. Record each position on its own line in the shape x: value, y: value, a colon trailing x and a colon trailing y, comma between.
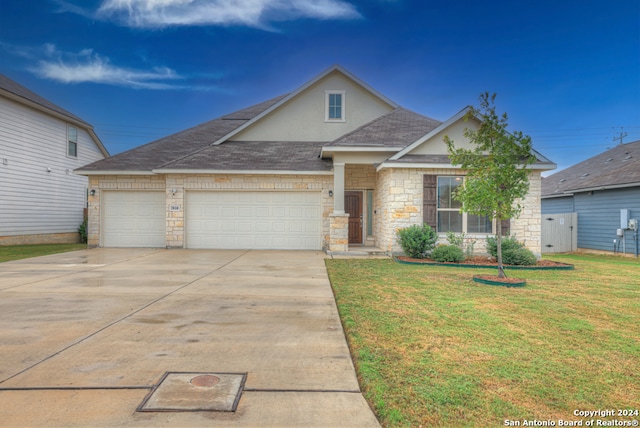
x: 260, y: 220
x: 133, y: 219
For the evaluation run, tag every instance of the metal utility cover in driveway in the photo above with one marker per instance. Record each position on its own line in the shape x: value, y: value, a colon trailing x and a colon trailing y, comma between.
x: 193, y: 392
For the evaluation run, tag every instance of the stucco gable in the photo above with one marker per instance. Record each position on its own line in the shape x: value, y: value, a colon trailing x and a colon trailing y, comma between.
x: 301, y: 116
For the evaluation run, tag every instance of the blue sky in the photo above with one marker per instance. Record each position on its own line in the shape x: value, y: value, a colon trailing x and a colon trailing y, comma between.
x: 566, y: 72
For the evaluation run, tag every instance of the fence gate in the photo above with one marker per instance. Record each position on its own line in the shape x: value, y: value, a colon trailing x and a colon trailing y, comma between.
x: 559, y: 233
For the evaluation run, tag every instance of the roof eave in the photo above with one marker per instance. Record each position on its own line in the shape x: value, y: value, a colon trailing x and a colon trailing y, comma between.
x: 557, y: 195
x: 417, y: 165
x: 80, y: 171
x: 396, y: 164
x: 604, y: 187
x: 238, y: 171
x: 357, y: 149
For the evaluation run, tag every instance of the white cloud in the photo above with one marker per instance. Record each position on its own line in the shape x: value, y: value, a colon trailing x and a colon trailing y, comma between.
x: 252, y: 13
x: 87, y: 66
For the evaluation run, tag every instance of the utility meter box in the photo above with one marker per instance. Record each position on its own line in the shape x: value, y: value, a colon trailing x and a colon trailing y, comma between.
x: 633, y: 224
x: 624, y: 218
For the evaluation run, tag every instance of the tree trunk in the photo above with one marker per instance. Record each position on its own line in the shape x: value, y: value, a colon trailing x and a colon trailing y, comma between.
x: 501, y: 273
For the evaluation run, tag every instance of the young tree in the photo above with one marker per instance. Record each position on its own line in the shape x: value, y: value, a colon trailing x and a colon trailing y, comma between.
x: 497, y: 176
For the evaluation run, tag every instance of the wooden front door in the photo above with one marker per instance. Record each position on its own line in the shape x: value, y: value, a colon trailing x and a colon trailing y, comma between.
x: 353, y: 206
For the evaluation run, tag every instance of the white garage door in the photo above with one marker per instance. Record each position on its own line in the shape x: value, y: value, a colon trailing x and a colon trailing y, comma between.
x: 133, y: 219
x: 254, y: 220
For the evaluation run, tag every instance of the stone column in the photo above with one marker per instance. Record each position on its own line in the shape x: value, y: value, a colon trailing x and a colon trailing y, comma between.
x: 339, y: 234
x: 338, y: 188
x: 175, y: 212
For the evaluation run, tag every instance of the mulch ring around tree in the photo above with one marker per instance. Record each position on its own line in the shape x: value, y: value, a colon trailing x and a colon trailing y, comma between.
x: 486, y: 262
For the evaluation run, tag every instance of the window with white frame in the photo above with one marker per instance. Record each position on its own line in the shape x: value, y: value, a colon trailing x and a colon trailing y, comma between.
x: 450, y: 217
x: 72, y: 142
x: 334, y: 106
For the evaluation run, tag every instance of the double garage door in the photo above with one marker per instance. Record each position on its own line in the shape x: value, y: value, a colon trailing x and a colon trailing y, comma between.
x: 217, y: 220
x: 253, y: 220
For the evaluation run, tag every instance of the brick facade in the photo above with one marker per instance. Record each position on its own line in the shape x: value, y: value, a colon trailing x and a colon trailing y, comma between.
x: 397, y: 201
x: 175, y: 186
x: 398, y: 204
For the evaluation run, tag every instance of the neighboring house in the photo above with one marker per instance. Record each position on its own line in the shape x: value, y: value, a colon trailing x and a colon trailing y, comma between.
x: 41, y: 200
x: 597, y: 189
x: 332, y: 165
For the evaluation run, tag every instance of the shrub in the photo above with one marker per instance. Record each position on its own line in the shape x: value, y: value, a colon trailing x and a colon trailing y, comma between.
x: 448, y: 253
x: 417, y: 241
x: 463, y: 242
x: 455, y: 239
x: 519, y: 256
x: 82, y: 230
x: 508, y: 243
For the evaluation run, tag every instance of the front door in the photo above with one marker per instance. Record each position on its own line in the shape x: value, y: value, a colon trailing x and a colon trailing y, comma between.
x: 353, y: 206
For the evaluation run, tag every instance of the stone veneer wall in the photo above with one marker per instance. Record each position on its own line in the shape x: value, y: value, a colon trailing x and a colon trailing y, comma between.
x: 359, y: 177
x: 398, y: 204
x: 185, y: 182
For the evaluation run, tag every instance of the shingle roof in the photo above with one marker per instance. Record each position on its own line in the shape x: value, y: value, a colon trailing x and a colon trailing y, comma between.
x: 256, y: 156
x: 398, y: 128
x: 616, y: 167
x: 22, y: 92
x: 174, y: 147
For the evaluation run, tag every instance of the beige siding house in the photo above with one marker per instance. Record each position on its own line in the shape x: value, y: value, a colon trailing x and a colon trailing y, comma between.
x: 41, y: 200
x: 332, y: 166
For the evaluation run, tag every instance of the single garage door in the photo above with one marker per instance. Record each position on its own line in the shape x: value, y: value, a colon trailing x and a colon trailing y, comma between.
x: 133, y: 219
x: 254, y: 220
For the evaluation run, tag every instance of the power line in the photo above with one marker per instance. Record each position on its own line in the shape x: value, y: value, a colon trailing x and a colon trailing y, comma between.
x: 620, y: 136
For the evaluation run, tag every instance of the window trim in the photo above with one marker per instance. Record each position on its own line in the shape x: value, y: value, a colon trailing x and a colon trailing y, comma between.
x: 70, y: 142
x: 463, y: 214
x: 327, y: 95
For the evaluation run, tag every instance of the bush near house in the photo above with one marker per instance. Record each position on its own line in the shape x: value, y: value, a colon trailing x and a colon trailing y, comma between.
x: 82, y: 230
x: 513, y: 251
x: 448, y: 253
x: 417, y: 241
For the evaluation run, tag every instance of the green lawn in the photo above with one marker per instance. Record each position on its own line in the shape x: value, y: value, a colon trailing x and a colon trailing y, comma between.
x: 434, y: 348
x: 17, y: 252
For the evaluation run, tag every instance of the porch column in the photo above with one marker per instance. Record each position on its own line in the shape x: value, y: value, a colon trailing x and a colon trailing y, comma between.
x: 338, y: 188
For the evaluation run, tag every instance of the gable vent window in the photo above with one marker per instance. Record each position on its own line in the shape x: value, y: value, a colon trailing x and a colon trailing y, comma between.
x: 72, y: 142
x: 334, y: 106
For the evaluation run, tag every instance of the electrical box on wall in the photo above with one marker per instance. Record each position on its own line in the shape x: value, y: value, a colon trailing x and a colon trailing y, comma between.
x: 633, y: 224
x: 624, y: 218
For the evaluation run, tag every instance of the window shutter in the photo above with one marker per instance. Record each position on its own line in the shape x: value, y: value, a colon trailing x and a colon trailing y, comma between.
x: 430, y: 200
x: 506, y: 227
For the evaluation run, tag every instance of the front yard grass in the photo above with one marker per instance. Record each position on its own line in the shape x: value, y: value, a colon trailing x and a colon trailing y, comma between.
x: 17, y: 252
x: 433, y: 348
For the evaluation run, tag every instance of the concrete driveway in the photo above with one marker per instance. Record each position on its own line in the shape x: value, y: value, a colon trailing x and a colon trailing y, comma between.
x: 87, y: 337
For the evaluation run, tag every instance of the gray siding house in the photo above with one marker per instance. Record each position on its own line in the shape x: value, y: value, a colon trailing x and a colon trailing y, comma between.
x: 601, y: 190
x: 41, y: 199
